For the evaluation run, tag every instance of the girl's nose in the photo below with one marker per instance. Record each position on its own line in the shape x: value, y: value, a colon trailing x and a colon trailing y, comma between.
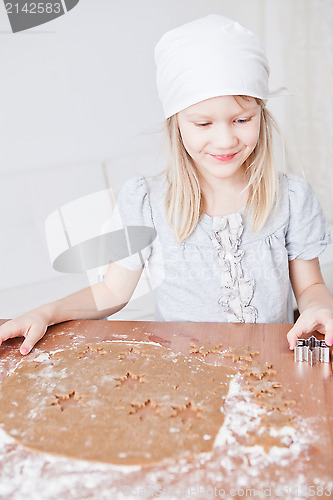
x: 224, y: 137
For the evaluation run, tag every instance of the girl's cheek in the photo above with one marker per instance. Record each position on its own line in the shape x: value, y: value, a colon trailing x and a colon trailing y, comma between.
x: 251, y: 137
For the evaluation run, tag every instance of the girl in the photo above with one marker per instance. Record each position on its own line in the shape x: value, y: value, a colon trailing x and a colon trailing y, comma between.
x: 232, y: 233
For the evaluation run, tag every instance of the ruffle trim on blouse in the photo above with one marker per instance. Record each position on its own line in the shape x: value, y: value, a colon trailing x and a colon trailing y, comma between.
x: 237, y: 292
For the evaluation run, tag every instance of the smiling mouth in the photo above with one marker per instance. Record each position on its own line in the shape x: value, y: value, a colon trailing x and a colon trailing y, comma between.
x: 223, y: 157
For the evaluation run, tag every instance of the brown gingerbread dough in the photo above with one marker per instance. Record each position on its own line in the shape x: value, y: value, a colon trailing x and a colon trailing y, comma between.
x: 118, y: 402
x: 277, y: 419
x: 258, y: 371
x: 240, y: 354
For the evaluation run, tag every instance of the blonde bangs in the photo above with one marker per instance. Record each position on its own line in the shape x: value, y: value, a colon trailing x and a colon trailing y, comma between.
x: 184, y: 201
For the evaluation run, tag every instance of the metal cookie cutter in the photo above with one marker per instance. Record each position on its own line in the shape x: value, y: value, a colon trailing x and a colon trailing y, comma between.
x: 312, y: 350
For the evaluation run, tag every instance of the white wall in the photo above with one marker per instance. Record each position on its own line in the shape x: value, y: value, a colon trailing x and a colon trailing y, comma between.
x: 82, y: 87
x: 79, y: 112
x: 79, y: 109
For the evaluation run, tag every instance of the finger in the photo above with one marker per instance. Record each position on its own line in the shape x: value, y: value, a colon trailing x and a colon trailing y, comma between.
x: 329, y: 332
x: 301, y: 326
x: 33, y: 335
x: 9, y: 330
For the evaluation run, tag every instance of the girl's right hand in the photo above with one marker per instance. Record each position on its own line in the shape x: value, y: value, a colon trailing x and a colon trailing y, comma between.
x: 31, y: 325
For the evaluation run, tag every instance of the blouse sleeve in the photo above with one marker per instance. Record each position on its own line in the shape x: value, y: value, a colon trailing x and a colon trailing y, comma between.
x: 132, y: 229
x: 308, y: 231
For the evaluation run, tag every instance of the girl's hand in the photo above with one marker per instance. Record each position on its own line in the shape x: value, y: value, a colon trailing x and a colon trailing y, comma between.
x: 314, y: 318
x: 32, y: 326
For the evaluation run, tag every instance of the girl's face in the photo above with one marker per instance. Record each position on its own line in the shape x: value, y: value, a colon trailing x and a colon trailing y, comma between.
x: 219, y: 134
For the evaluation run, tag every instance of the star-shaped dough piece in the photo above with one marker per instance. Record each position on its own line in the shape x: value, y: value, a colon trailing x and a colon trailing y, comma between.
x: 266, y: 441
x: 273, y: 402
x: 132, y: 354
x: 92, y: 351
x: 259, y: 386
x: 129, y: 380
x: 258, y: 371
x: 277, y: 419
x: 205, y: 349
x: 240, y: 354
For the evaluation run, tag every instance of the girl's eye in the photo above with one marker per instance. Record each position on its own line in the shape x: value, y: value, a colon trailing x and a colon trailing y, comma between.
x: 201, y: 124
x: 240, y: 121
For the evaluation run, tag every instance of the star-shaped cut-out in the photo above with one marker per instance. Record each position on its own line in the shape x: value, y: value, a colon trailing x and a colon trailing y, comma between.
x: 266, y: 441
x: 240, y: 354
x: 187, y: 412
x: 273, y: 402
x: 133, y: 354
x: 205, y: 349
x: 277, y: 419
x: 144, y: 410
x: 259, y: 386
x: 66, y: 400
x: 92, y: 351
x: 258, y: 371
x: 129, y: 380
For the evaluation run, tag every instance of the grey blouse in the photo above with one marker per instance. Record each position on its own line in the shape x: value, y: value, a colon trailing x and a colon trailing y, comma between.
x: 223, y: 271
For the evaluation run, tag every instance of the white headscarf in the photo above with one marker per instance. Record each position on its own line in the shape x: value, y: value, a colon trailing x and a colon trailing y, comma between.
x: 209, y: 57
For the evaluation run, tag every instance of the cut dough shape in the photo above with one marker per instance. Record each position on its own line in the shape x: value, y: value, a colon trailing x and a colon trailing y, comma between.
x: 267, y: 441
x: 236, y: 353
x: 240, y: 354
x: 258, y: 371
x: 118, y: 402
x: 205, y: 349
x: 275, y: 402
x: 259, y: 386
x: 133, y: 354
x: 277, y: 419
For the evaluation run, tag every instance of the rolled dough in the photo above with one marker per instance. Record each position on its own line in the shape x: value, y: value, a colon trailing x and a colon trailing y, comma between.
x: 118, y: 402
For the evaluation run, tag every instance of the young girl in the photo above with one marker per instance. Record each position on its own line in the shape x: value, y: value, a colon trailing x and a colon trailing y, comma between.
x: 232, y: 233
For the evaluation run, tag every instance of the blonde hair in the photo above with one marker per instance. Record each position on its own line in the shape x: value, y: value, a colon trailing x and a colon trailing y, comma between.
x: 184, y: 200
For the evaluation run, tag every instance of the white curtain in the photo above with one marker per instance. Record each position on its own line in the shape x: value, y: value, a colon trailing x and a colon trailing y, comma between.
x: 306, y: 28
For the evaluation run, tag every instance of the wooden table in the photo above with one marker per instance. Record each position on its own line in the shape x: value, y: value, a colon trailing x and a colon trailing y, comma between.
x: 24, y: 474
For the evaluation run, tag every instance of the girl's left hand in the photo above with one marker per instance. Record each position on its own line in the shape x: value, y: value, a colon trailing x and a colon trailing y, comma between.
x: 314, y: 318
